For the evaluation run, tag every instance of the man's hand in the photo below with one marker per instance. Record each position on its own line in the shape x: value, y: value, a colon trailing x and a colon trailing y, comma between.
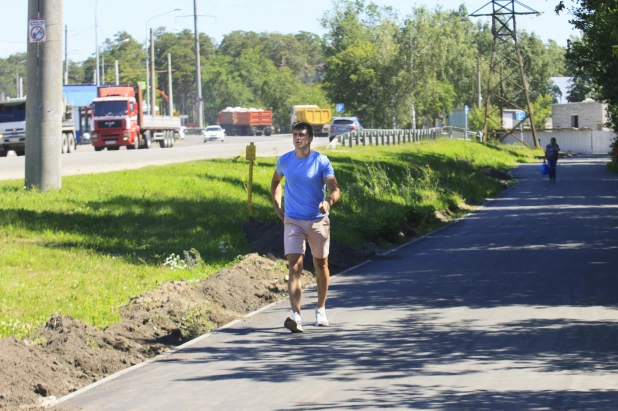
x: 324, y: 207
x: 275, y: 189
x: 279, y: 212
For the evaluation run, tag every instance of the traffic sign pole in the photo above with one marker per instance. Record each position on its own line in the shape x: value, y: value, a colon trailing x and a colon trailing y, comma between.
x: 251, y: 155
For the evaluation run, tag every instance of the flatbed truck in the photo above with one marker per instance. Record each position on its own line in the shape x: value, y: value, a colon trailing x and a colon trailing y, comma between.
x: 13, y: 128
x: 119, y: 120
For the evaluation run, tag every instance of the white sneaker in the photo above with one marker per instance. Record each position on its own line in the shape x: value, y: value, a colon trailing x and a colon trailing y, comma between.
x: 320, y: 317
x: 294, y: 323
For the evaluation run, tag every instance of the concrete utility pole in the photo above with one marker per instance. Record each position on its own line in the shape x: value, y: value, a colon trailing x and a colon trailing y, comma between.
x: 96, y: 40
x: 66, y: 55
x: 198, y: 71
x: 478, y: 82
x: 153, y: 81
x: 170, y: 92
x: 44, y: 106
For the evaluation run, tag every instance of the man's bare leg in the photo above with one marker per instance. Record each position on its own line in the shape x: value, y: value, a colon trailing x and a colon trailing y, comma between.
x: 295, y: 262
x: 321, y: 269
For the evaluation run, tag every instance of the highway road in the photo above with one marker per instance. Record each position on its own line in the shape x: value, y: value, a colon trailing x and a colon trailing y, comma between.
x: 86, y: 161
x: 514, y: 307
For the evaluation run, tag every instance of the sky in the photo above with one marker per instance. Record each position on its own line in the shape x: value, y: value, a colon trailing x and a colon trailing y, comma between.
x: 222, y: 17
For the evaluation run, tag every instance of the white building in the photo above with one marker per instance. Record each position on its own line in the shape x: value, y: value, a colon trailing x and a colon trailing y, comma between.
x: 587, y: 114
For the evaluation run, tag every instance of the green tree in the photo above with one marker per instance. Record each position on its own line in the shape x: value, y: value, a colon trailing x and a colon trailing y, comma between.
x: 76, y: 72
x: 130, y: 56
x: 476, y: 119
x: 594, y: 58
x: 11, y: 68
x: 542, y: 110
x: 223, y: 87
x: 181, y: 47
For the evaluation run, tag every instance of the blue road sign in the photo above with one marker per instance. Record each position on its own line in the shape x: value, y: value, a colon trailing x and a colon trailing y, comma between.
x: 466, y: 109
x: 339, y: 107
x: 520, y: 116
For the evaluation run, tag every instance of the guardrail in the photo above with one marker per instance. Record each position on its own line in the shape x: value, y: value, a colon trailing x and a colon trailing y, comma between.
x: 391, y: 137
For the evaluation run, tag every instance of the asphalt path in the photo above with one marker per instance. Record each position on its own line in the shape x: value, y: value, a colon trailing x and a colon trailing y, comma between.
x: 513, y: 307
x: 86, y: 161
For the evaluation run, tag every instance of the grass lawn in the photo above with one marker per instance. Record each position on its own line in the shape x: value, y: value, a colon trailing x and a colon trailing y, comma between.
x: 87, y: 249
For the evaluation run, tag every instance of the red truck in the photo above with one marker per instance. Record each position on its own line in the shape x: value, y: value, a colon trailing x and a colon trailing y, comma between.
x: 246, y: 122
x: 119, y: 120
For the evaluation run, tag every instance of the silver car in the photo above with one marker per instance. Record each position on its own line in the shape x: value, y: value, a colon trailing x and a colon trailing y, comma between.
x: 342, y: 125
x: 213, y: 133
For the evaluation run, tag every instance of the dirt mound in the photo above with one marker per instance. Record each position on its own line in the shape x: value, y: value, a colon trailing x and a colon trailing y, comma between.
x: 66, y: 354
x: 266, y: 238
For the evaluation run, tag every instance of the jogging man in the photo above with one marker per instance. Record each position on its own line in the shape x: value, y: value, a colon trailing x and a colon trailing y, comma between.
x: 305, y: 218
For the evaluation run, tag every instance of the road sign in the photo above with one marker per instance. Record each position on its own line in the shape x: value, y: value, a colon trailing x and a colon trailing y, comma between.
x: 339, y: 107
x: 520, y: 115
x: 466, y: 109
x: 36, y: 30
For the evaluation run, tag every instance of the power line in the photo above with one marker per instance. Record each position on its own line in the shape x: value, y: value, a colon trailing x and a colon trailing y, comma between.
x: 83, y: 31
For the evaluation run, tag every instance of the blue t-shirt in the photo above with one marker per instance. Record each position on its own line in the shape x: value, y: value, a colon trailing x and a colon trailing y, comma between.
x: 304, y: 183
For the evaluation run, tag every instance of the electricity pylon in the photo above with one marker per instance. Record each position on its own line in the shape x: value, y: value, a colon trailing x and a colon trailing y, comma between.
x: 507, y: 61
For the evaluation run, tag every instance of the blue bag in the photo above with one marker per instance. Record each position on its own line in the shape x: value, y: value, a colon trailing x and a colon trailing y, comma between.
x: 544, y: 169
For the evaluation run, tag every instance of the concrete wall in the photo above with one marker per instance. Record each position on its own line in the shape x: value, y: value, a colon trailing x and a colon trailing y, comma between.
x: 591, y: 114
x: 580, y: 141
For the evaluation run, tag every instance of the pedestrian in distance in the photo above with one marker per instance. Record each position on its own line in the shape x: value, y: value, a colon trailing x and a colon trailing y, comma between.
x: 307, y: 174
x: 551, y: 156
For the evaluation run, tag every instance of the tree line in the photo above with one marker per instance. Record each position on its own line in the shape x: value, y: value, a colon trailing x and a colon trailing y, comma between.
x: 389, y: 70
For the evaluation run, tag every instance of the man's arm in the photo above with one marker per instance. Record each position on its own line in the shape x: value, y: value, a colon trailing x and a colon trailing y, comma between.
x: 275, y: 191
x: 333, y: 197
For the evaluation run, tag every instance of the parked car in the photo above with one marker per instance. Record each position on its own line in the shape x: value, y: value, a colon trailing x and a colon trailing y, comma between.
x: 326, y: 129
x: 342, y: 125
x: 213, y: 133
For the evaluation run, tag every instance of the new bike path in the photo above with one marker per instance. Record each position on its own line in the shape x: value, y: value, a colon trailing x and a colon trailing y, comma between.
x: 513, y: 307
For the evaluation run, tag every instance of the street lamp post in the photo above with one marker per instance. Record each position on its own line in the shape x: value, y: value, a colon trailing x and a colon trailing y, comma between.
x: 147, y: 57
x: 198, y: 70
x: 96, y: 41
x: 18, y: 90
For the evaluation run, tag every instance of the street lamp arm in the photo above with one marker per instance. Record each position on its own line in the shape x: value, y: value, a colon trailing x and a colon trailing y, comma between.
x: 198, y: 15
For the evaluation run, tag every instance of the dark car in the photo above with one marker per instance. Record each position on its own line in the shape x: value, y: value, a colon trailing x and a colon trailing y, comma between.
x: 342, y: 125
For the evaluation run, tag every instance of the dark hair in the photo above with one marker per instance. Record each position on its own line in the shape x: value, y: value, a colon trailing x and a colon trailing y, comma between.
x: 301, y: 125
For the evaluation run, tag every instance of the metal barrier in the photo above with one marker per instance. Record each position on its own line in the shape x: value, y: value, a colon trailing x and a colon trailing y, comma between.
x: 388, y: 137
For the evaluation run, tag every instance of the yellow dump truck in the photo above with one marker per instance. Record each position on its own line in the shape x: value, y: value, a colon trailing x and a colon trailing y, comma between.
x: 319, y: 118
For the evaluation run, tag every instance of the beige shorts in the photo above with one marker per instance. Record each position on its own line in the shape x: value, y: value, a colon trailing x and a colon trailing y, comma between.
x: 316, y: 232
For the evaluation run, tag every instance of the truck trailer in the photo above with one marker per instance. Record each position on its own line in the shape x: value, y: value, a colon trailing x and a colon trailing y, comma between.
x: 319, y: 118
x: 119, y: 120
x: 13, y: 127
x: 246, y: 122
